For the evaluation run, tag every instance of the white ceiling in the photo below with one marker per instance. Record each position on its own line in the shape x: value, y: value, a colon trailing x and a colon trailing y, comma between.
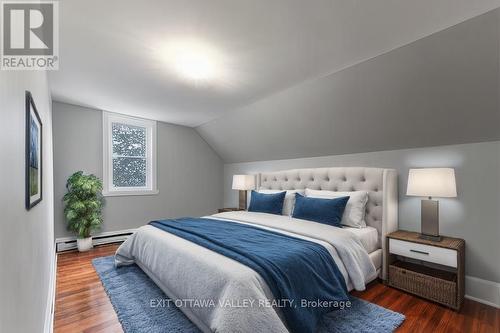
x: 442, y: 89
x: 111, y: 51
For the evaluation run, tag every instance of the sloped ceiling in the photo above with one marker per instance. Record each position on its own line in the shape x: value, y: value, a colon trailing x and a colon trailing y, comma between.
x: 442, y: 89
x: 111, y: 59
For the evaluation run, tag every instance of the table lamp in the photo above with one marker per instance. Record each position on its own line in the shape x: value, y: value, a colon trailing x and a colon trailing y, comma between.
x: 243, y: 183
x: 431, y: 182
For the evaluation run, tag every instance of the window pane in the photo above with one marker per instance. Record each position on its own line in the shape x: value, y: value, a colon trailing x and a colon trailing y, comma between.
x: 128, y: 140
x: 129, y: 172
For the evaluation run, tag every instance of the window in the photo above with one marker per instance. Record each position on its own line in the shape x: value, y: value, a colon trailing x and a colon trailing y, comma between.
x: 129, y: 154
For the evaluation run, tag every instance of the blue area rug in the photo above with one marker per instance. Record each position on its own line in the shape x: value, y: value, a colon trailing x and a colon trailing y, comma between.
x: 135, y: 298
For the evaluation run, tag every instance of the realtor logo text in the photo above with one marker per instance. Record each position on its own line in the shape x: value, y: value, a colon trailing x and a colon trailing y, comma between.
x: 30, y: 35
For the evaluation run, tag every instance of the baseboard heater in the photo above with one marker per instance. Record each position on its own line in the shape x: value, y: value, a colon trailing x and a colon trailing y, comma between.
x: 69, y: 243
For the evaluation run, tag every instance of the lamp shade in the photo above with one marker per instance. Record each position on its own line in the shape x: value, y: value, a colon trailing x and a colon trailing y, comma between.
x: 432, y: 182
x: 243, y: 182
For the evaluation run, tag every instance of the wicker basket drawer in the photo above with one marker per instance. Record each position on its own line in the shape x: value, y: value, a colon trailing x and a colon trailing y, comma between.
x: 441, y: 289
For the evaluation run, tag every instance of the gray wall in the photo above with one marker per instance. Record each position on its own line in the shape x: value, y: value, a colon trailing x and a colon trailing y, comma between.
x: 27, y: 237
x: 442, y: 89
x: 189, y: 171
x: 474, y: 215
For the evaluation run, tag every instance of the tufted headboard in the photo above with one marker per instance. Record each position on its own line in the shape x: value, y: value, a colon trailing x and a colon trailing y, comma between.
x: 381, y: 185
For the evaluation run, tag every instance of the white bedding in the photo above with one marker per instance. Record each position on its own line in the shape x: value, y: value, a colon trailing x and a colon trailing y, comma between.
x: 187, y: 271
x: 376, y: 258
x: 368, y: 236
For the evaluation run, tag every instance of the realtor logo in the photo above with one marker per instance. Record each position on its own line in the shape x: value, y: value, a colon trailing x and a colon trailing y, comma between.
x: 30, y: 35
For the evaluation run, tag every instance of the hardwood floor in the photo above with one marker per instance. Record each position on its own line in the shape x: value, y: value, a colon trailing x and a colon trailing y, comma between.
x: 83, y: 306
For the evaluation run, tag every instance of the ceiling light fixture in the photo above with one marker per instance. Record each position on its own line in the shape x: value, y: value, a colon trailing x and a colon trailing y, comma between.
x: 193, y: 60
x: 194, y: 65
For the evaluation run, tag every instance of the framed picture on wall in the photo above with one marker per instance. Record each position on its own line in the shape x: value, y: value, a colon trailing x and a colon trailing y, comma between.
x: 33, y: 154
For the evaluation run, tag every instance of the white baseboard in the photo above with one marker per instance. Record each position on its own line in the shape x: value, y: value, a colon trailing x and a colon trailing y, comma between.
x: 51, y: 297
x: 482, y: 291
x: 69, y: 243
x: 101, y: 234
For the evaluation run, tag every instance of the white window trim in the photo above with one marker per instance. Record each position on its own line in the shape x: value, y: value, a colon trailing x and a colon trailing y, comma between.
x: 151, y: 188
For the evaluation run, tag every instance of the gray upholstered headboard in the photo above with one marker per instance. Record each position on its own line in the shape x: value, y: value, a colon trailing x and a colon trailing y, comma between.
x: 381, y: 185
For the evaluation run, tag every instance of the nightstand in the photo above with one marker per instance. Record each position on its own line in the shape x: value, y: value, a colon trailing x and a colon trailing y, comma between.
x: 426, y: 268
x: 223, y: 210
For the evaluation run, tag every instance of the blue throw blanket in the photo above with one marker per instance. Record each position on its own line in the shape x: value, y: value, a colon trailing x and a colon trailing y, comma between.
x: 296, y: 270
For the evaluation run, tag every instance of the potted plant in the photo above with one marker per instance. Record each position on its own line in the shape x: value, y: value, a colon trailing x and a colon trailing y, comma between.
x: 82, y: 207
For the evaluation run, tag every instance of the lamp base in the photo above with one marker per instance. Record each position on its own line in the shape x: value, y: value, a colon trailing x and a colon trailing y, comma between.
x: 429, y: 214
x: 243, y: 200
x: 430, y: 237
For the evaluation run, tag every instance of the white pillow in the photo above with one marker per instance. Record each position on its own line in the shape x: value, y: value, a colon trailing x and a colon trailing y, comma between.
x: 354, y: 213
x: 289, y: 203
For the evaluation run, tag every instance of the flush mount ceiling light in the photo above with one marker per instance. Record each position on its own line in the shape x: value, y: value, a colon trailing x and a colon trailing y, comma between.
x: 193, y: 60
x: 195, y: 65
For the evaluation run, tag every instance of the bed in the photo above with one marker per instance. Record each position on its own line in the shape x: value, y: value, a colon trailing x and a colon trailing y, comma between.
x: 186, y: 271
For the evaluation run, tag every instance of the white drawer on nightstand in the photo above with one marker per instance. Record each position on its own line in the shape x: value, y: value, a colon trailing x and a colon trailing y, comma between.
x: 434, y: 254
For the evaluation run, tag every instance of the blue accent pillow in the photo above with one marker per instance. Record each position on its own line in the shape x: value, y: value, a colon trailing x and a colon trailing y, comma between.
x: 267, y: 203
x: 326, y: 211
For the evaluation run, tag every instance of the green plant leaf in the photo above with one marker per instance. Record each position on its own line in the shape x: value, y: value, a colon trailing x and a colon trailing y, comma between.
x: 83, y: 203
